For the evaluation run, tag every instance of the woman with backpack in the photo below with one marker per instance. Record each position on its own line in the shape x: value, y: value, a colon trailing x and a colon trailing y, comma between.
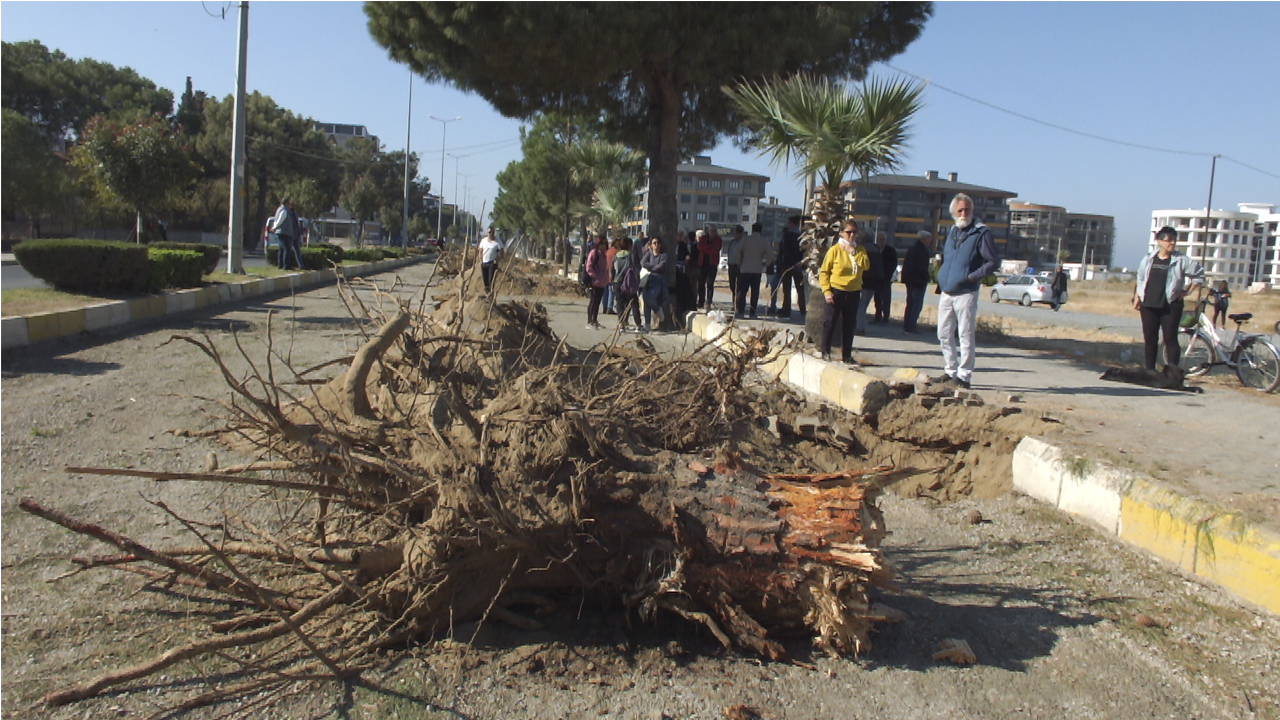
x: 598, y: 271
x: 626, y: 285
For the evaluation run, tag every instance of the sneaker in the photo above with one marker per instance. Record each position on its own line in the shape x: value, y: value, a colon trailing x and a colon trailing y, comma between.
x: 784, y: 316
x: 851, y: 363
x: 826, y: 357
x: 753, y: 316
x: 770, y: 312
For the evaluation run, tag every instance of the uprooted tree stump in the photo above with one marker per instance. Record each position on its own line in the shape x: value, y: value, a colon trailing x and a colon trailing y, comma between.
x: 468, y: 462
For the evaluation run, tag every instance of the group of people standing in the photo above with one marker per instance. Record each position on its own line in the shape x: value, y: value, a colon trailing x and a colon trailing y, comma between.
x: 853, y: 274
x: 626, y: 271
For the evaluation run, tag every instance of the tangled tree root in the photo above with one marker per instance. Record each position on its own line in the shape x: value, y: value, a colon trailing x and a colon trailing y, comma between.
x: 466, y: 461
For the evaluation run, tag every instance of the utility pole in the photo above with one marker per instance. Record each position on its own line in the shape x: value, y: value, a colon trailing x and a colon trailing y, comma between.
x: 408, y: 133
x: 1208, y: 210
x: 235, y: 223
x: 444, y: 127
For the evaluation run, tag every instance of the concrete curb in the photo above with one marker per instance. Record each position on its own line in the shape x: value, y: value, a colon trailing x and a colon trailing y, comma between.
x: 854, y: 391
x: 21, y: 331
x: 1200, y: 538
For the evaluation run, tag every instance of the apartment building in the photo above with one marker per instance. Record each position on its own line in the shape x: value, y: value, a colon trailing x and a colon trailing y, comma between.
x: 342, y: 134
x: 1038, y: 233
x: 773, y: 219
x: 707, y: 195
x: 903, y: 205
x: 1239, y: 247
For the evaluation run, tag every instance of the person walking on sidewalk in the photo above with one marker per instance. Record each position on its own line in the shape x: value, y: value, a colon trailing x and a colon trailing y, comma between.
x: 598, y: 271
x: 884, y: 292
x: 870, y: 283
x: 709, y: 245
x: 289, y: 233
x: 840, y: 276
x: 731, y: 249
x: 915, y: 275
x: 752, y: 254
x: 653, y: 286
x: 968, y: 256
x: 790, y: 271
x: 490, y: 249
x: 1165, y: 276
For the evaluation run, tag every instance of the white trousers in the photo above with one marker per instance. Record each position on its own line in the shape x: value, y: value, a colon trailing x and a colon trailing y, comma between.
x: 957, y: 325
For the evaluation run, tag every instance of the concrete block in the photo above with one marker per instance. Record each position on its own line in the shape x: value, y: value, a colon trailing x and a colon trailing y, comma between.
x: 777, y: 367
x: 805, y: 372
x: 1035, y: 470
x: 13, y: 332
x: 42, y: 326
x: 860, y: 393
x: 1163, y: 522
x: 910, y: 375
x: 1093, y: 490
x: 106, y: 315
x: 146, y: 308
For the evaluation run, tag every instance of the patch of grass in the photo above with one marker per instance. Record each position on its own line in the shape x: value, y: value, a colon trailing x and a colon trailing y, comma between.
x: 30, y: 301
x: 42, y: 433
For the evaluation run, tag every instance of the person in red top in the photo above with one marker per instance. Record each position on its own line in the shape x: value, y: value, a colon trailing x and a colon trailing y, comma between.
x: 709, y: 244
x: 598, y: 271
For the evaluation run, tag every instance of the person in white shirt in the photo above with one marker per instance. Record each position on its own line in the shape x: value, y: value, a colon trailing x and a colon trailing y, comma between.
x: 490, y: 251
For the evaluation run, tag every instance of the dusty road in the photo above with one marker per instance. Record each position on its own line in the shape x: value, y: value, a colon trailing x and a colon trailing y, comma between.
x: 1064, y: 622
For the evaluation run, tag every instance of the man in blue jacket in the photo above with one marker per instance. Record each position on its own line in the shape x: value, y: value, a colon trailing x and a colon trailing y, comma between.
x: 968, y: 256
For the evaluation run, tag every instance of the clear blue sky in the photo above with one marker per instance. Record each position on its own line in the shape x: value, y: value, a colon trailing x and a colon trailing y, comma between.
x: 1192, y: 77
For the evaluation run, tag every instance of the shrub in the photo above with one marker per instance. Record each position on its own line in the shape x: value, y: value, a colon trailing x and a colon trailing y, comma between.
x: 321, y: 256
x: 394, y: 252
x: 175, y: 268
x: 92, y: 266
x: 212, y: 253
x: 363, y: 254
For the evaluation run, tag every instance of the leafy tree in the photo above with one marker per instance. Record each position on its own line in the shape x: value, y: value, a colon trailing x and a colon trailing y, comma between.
x: 282, y: 147
x: 190, y: 113
x: 651, y: 71
x: 536, y: 193
x: 143, y: 163
x: 34, y: 179
x: 829, y: 131
x: 60, y: 94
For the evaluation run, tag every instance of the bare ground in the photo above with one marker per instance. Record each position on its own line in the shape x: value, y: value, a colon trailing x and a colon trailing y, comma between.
x: 1063, y: 620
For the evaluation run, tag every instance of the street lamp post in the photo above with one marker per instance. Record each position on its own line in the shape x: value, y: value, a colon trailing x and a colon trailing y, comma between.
x: 463, y: 206
x: 444, y: 126
x: 408, y: 134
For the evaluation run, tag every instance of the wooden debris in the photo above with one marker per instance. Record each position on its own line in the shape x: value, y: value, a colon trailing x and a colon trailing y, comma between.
x: 956, y: 652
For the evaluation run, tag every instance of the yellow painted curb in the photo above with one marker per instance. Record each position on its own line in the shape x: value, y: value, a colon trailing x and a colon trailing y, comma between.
x: 1204, y: 541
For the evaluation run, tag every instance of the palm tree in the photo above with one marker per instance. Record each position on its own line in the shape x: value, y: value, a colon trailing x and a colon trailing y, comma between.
x: 828, y: 131
x: 615, y: 171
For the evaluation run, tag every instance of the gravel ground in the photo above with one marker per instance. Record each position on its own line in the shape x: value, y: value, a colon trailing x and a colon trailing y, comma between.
x: 1064, y: 621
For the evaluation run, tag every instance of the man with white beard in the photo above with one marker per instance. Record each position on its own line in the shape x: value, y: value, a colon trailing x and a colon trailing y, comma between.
x: 968, y: 256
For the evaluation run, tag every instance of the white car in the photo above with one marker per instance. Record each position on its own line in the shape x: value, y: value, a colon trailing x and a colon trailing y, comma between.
x: 1026, y: 290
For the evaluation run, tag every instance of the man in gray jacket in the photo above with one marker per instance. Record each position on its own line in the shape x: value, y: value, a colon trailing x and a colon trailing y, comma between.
x: 968, y: 256
x: 752, y: 255
x: 289, y: 232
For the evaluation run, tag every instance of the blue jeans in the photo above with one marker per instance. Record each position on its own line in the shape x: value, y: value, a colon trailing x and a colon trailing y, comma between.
x: 915, y: 304
x: 289, y: 253
x: 655, y: 298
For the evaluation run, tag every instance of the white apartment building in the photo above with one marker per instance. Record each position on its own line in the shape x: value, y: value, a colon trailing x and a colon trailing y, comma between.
x: 1238, y: 247
x: 707, y: 195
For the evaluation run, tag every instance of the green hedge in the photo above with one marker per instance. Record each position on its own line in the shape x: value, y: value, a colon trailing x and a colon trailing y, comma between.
x: 317, y: 256
x: 212, y: 253
x: 176, y: 268
x: 363, y: 254
x: 79, y: 265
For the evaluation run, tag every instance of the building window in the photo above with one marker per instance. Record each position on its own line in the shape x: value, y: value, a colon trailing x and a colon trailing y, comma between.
x: 686, y: 198
x: 746, y: 184
x: 715, y: 217
x: 686, y: 182
x: 715, y: 199
x: 702, y: 216
x: 702, y: 199
x: 702, y: 183
x: 684, y: 216
x: 746, y: 202
x: 733, y: 201
x: 715, y: 184
x: 733, y: 184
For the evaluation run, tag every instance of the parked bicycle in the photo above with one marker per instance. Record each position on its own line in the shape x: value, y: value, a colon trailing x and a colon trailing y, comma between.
x: 1254, y: 357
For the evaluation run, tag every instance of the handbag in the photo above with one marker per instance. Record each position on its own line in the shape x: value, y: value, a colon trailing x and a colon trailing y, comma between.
x: 644, y: 276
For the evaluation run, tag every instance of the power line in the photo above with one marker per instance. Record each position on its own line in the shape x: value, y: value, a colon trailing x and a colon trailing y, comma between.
x: 1074, y: 131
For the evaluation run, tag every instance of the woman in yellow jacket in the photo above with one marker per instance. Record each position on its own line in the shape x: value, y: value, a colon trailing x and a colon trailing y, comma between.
x: 841, y: 279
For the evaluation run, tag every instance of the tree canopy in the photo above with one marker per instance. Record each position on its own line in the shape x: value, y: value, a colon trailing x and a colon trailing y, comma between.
x: 651, y: 71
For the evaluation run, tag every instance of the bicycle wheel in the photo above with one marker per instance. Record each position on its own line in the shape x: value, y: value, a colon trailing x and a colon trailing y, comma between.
x: 1198, y: 357
x: 1258, y: 364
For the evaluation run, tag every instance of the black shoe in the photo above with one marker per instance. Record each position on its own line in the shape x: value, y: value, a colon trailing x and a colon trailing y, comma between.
x: 851, y: 362
x: 826, y: 357
x: 770, y: 312
x: 784, y: 316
